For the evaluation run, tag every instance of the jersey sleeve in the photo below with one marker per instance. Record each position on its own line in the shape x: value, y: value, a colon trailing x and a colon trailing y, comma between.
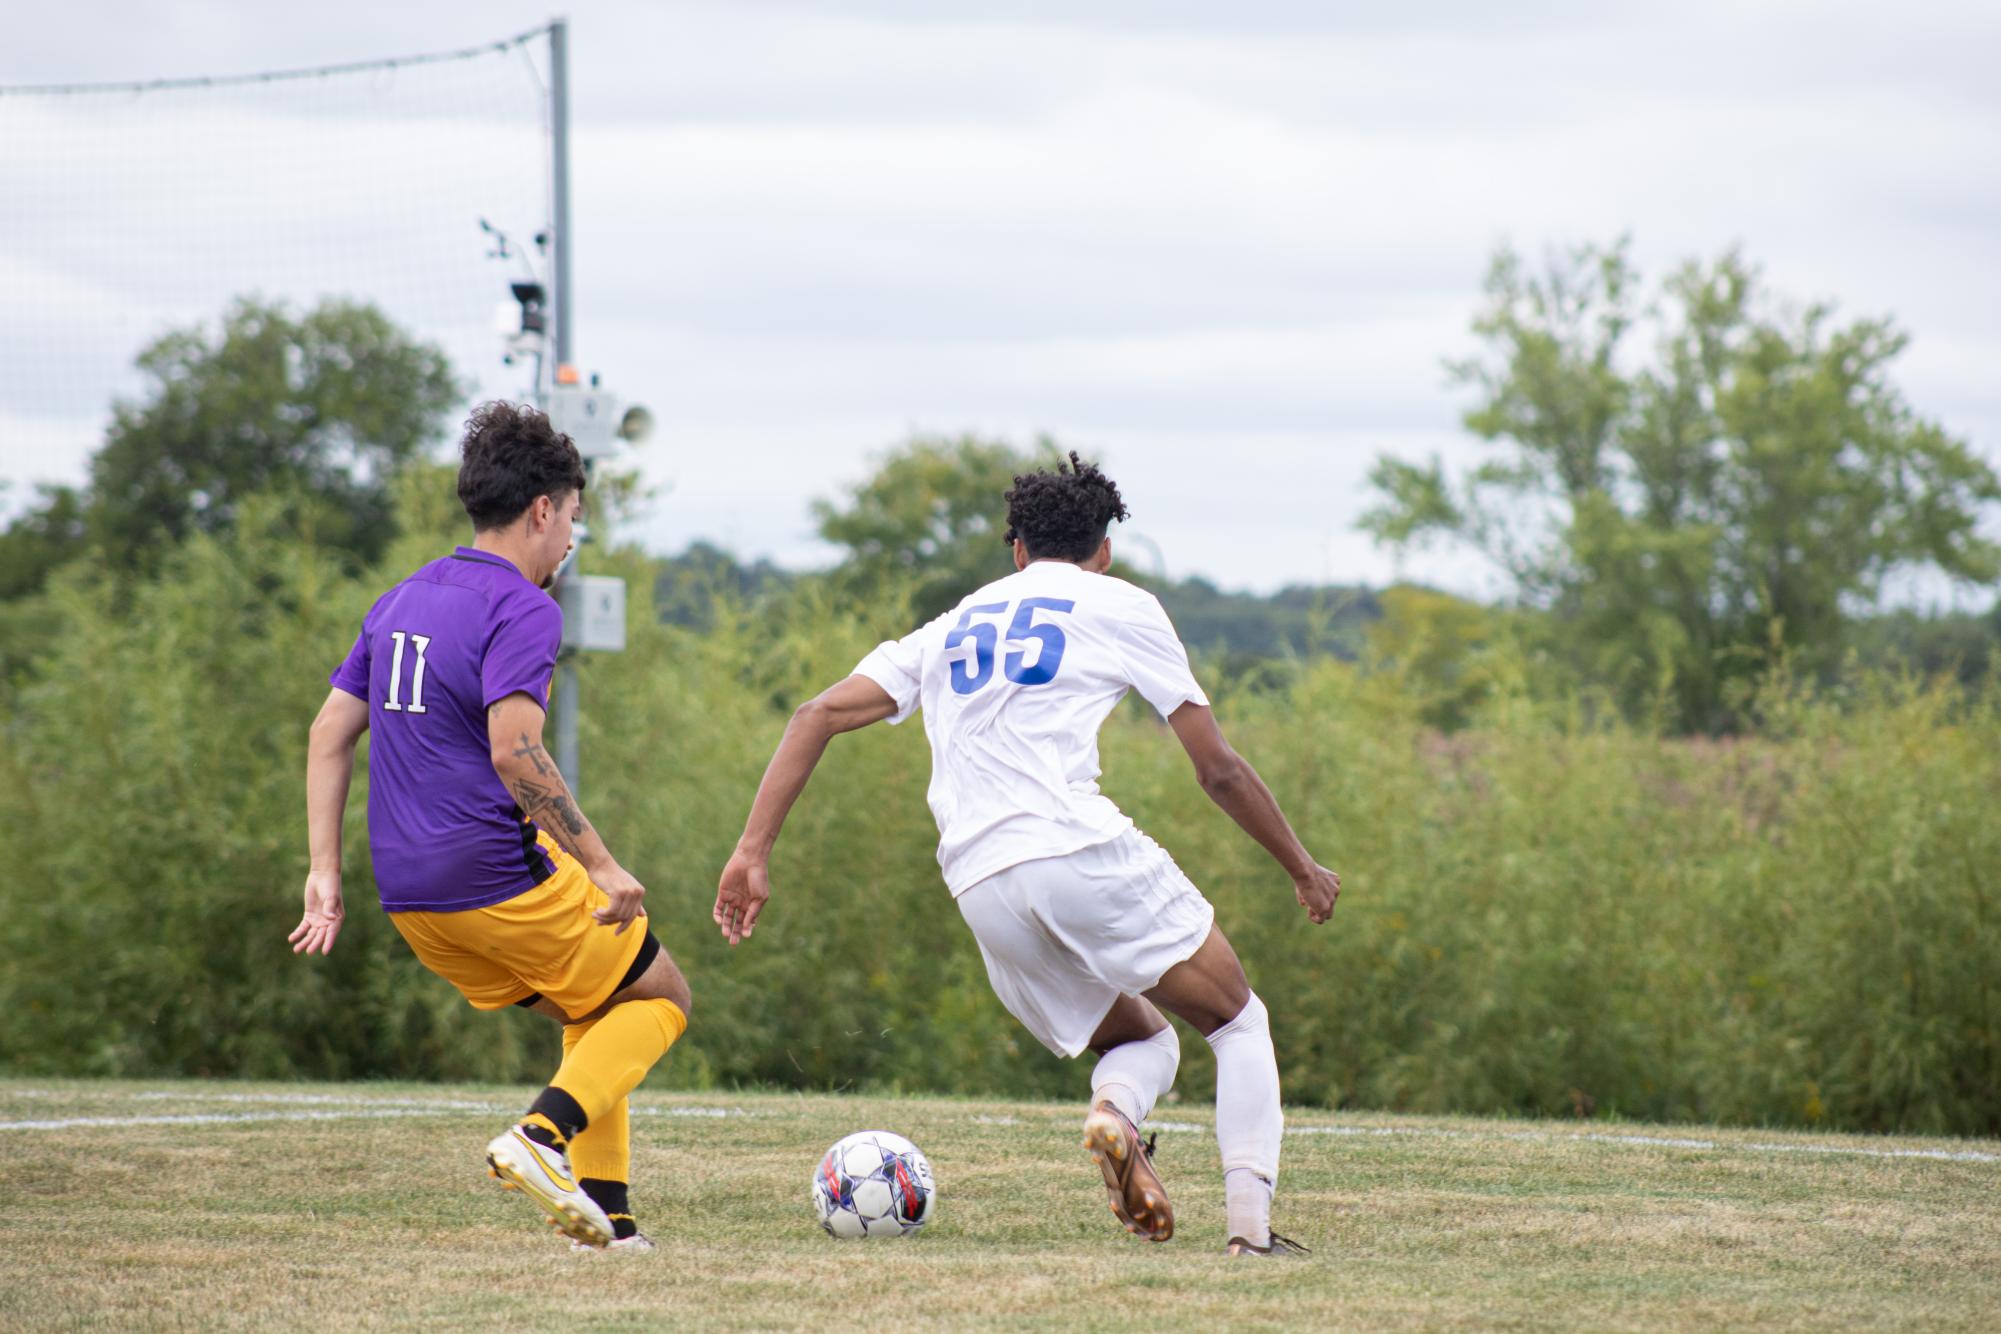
x: 352, y: 674
x: 1155, y: 660
x: 897, y: 665
x: 521, y: 649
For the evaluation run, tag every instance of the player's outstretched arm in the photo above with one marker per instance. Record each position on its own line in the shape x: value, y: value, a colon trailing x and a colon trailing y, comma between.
x: 514, y: 731
x: 1234, y: 785
x: 329, y: 769
x: 843, y: 707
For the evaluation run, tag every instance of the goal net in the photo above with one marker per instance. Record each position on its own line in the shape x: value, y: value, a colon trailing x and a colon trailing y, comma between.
x: 133, y: 209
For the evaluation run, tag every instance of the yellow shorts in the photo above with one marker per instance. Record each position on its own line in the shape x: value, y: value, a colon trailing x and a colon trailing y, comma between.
x: 541, y: 941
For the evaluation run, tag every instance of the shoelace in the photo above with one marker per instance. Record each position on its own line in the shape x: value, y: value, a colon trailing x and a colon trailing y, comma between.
x: 1151, y: 1140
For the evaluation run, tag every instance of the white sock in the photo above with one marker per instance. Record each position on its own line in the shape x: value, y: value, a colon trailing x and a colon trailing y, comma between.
x: 1249, y: 1123
x: 1133, y: 1076
x: 1247, y: 1205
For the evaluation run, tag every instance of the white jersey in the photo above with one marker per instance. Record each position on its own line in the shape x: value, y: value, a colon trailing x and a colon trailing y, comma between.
x: 1015, y: 682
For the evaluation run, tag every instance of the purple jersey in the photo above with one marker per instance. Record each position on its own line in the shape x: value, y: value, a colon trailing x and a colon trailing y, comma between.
x: 459, y: 635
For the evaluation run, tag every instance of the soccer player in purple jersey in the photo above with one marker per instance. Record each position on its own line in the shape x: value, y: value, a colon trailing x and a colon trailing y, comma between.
x: 482, y: 859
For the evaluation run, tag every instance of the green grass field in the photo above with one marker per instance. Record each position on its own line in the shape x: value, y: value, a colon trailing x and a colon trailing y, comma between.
x: 202, y: 1204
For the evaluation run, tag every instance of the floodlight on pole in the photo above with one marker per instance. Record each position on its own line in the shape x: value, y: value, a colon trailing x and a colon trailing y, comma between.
x: 635, y: 425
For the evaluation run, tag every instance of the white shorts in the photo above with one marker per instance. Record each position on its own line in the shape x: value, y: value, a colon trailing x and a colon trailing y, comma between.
x: 1064, y: 937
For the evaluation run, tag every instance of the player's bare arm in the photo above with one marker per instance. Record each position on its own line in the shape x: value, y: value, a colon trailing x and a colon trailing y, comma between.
x: 514, y: 730
x: 1234, y: 785
x: 853, y: 703
x: 329, y: 769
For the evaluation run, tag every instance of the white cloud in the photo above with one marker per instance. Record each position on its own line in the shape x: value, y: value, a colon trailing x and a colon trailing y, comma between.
x: 1226, y: 246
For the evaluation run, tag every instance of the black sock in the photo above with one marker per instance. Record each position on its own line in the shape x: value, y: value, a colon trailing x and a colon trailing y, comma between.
x: 611, y: 1196
x: 562, y: 1109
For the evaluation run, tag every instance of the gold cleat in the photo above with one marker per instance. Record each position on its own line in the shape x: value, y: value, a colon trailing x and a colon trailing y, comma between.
x: 1138, y: 1198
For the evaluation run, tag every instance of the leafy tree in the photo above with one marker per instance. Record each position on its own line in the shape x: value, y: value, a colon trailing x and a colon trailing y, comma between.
x: 931, y: 519
x: 1255, y: 640
x: 44, y: 538
x: 1744, y: 489
x: 324, y: 408
x: 1962, y: 645
x: 688, y: 586
x: 1438, y: 648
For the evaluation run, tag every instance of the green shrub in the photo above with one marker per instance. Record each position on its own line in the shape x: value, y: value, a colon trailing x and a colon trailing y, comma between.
x: 1542, y: 914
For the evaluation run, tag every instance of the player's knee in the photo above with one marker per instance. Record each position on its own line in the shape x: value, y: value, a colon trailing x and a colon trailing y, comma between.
x: 654, y: 976
x: 666, y: 982
x: 676, y: 990
x: 1252, y: 1018
x: 1129, y: 1020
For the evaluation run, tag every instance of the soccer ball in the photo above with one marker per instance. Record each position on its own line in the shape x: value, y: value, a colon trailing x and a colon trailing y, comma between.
x: 872, y: 1184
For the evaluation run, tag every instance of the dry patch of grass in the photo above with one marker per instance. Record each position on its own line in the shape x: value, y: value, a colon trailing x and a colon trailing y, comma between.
x: 362, y: 1206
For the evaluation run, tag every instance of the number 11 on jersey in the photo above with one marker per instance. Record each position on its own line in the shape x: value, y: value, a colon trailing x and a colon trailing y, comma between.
x: 416, y: 704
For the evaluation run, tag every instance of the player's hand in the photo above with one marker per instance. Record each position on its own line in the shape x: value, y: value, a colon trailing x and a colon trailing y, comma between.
x: 1316, y: 892
x: 746, y: 885
x: 324, y: 914
x: 625, y: 893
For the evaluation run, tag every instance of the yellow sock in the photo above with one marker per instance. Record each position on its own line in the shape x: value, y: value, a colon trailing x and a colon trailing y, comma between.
x: 604, y: 1150
x: 612, y: 1055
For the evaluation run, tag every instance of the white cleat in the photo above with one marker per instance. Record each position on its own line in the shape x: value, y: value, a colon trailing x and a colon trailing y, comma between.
x: 1275, y: 1247
x: 543, y: 1174
x: 635, y: 1243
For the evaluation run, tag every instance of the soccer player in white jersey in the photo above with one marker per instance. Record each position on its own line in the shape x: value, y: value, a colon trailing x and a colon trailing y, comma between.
x: 1086, y: 924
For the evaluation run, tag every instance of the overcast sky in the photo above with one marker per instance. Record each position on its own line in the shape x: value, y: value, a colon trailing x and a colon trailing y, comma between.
x: 1224, y: 247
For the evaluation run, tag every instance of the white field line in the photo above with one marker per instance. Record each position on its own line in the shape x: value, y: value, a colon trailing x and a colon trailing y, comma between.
x: 415, y: 1102
x: 1649, y: 1141
x: 334, y: 1107
x: 213, y: 1118
x: 1635, y: 1141
x: 319, y: 1100
x: 331, y: 1107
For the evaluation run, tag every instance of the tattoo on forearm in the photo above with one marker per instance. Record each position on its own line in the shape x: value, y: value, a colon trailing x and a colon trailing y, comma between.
x: 553, y: 808
x: 532, y: 752
x: 570, y: 815
x: 548, y: 804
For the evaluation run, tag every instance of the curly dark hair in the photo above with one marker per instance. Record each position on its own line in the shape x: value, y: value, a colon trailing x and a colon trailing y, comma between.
x: 510, y: 456
x: 1063, y: 514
